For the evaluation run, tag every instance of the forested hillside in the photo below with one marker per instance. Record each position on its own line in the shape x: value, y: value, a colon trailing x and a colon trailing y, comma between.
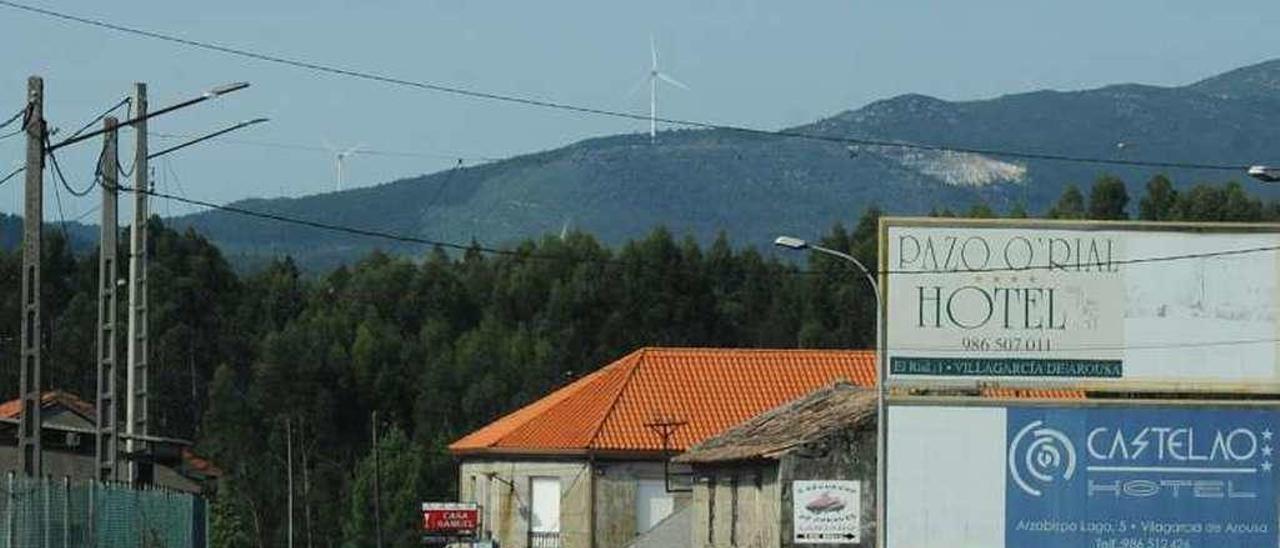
x: 440, y: 344
x: 702, y: 182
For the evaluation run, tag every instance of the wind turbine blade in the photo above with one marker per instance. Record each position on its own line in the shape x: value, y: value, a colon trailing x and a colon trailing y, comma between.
x: 353, y: 150
x: 639, y: 85
x: 653, y: 52
x: 671, y: 80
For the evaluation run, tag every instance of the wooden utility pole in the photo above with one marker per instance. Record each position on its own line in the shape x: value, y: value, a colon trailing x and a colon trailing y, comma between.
x: 29, y: 455
x: 136, y: 375
x: 107, y: 445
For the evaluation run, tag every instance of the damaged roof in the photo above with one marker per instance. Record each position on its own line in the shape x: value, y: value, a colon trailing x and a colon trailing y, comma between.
x: 839, y: 406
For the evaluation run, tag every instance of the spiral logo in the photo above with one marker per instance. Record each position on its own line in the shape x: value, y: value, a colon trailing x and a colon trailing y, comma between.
x: 1046, y: 455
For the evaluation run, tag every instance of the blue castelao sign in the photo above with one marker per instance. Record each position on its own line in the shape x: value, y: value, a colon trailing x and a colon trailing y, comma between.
x: 1139, y: 477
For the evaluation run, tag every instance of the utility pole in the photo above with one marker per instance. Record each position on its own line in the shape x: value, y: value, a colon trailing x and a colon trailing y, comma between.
x: 377, y: 482
x: 136, y: 375
x: 288, y: 455
x: 107, y: 448
x: 30, y: 457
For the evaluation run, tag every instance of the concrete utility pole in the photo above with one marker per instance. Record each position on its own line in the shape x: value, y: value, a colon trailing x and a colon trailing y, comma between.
x: 106, y: 446
x: 288, y: 455
x: 136, y: 375
x: 29, y: 455
x: 377, y: 483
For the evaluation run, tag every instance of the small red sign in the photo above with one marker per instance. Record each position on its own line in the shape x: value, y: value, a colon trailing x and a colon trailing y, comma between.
x: 450, y: 518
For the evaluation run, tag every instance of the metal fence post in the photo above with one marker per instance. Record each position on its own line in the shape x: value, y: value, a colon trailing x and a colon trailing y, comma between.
x: 8, y: 522
x: 91, y: 527
x: 44, y: 489
x: 66, y: 512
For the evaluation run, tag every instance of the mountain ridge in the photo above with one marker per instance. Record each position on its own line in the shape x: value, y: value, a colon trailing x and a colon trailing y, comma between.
x: 704, y: 181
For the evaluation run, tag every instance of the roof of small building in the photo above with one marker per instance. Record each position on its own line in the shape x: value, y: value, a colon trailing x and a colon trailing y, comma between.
x: 12, y: 409
x: 813, y: 416
x: 701, y: 390
x: 801, y: 421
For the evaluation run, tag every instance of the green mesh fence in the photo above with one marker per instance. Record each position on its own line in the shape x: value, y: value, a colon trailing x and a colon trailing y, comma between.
x: 60, y: 513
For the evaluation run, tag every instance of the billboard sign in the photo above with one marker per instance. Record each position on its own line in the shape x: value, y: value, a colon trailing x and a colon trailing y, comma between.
x: 450, y: 519
x: 1126, y: 304
x: 826, y: 511
x: 1112, y: 476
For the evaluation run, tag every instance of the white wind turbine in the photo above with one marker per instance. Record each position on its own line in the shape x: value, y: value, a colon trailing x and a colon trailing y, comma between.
x: 340, y: 157
x: 654, y: 76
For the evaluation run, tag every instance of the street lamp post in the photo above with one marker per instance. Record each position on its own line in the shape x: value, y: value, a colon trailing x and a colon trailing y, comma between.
x: 798, y: 244
x: 1264, y: 173
x: 211, y: 94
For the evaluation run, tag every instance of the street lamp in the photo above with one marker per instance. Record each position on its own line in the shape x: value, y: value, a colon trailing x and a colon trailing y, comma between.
x: 800, y: 245
x: 1266, y: 174
x: 211, y: 94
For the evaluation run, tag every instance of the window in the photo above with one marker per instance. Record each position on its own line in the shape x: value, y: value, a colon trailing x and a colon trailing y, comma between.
x: 653, y: 504
x: 544, y: 515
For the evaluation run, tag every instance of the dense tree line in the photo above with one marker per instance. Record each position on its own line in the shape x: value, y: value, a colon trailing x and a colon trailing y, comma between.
x: 440, y: 344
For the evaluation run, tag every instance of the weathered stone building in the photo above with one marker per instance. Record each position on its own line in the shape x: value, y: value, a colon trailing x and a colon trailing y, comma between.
x: 586, y: 466
x: 821, y: 447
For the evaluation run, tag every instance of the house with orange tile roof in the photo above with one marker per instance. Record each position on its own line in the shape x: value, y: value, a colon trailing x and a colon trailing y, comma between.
x: 587, y: 465
x: 67, y: 437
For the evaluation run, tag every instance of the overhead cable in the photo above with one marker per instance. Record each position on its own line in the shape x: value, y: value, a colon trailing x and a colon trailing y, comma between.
x: 13, y: 118
x: 57, y: 169
x: 16, y: 171
x: 104, y: 114
x: 542, y: 103
x: 316, y: 148
x: 373, y: 233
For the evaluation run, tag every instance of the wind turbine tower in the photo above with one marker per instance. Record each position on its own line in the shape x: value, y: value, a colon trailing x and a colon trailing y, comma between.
x: 654, y: 76
x: 341, y: 160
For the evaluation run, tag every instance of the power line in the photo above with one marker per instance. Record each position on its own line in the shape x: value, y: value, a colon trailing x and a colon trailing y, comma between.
x: 86, y: 213
x: 57, y: 169
x: 16, y: 171
x: 317, y: 224
x: 315, y: 148
x: 104, y: 114
x: 541, y: 103
x: 11, y: 119
x: 372, y: 233
x: 62, y: 218
x: 440, y: 189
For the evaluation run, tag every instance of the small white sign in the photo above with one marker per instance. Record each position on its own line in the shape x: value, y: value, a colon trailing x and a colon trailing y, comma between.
x: 827, y: 511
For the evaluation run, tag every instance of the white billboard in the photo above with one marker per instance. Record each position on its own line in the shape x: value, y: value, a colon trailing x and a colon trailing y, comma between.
x: 999, y: 474
x: 1165, y: 306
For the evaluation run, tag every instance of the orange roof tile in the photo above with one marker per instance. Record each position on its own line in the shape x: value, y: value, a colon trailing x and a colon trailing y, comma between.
x: 708, y: 390
x: 12, y: 409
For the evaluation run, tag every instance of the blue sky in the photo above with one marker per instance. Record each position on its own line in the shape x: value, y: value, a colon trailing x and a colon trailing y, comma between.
x: 762, y: 64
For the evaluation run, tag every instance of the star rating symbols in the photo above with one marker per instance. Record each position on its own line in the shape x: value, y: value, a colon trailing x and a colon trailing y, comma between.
x: 1267, y: 450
